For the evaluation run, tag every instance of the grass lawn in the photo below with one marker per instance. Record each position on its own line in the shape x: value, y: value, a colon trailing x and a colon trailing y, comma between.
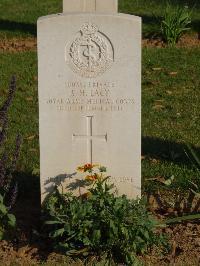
x: 24, y: 112
x: 18, y: 17
x: 151, y: 12
x: 170, y: 110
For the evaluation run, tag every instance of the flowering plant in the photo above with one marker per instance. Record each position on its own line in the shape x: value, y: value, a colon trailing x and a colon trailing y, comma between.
x: 99, y: 222
x: 8, y: 187
x: 94, y: 172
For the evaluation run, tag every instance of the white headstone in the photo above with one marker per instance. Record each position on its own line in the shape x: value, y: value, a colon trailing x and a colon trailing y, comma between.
x: 90, y: 95
x: 108, y: 6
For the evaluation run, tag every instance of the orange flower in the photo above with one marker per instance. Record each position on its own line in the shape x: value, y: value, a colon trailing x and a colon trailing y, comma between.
x: 86, y: 167
x: 80, y: 169
x: 91, y: 177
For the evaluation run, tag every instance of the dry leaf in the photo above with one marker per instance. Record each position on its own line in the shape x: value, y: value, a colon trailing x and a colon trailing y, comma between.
x: 173, y: 73
x: 154, y: 161
x: 22, y: 251
x: 153, y: 203
x: 170, y: 211
x: 33, y: 150
x: 30, y: 137
x: 159, y: 101
x: 173, y: 252
x: 169, y: 92
x: 162, y: 180
x: 157, y: 68
x: 158, y: 107
x: 29, y: 99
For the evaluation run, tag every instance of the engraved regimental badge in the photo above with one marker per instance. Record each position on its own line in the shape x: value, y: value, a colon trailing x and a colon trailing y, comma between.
x: 91, y: 53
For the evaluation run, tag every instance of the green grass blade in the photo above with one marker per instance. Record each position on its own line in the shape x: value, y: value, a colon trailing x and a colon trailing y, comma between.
x: 183, y: 218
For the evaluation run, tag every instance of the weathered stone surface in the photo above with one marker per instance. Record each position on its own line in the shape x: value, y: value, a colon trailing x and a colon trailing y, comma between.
x: 107, y: 6
x: 90, y: 96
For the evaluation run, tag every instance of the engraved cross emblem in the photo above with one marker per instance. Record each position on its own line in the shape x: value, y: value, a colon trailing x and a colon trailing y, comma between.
x: 90, y: 137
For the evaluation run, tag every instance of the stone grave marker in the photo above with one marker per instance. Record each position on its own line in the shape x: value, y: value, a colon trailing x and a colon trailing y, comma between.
x: 107, y: 6
x: 89, y: 72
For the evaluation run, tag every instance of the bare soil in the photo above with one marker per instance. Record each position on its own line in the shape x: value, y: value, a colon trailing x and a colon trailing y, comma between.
x: 186, y: 41
x: 184, y: 240
x: 18, y: 44
x: 29, y: 248
x: 27, y: 44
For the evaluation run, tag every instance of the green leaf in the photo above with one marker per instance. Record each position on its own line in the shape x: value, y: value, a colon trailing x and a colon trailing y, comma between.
x: 1, y: 234
x: 183, y: 218
x: 102, y: 169
x: 96, y: 235
x: 146, y: 235
x: 12, y: 220
x: 76, y: 252
x: 169, y: 181
x: 53, y: 222
x: 1, y: 198
x: 3, y: 209
x: 58, y: 232
x: 113, y: 227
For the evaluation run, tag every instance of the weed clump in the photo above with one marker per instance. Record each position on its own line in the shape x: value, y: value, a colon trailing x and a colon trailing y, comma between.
x: 174, y: 23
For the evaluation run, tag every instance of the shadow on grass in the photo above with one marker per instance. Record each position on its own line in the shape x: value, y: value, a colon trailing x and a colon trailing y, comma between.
x: 168, y: 151
x: 153, y: 23
x: 28, y: 208
x: 196, y: 26
x: 190, y: 3
x: 7, y: 25
x: 30, y: 231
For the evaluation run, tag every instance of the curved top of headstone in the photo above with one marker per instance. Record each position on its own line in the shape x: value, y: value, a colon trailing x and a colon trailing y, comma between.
x: 104, y: 6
